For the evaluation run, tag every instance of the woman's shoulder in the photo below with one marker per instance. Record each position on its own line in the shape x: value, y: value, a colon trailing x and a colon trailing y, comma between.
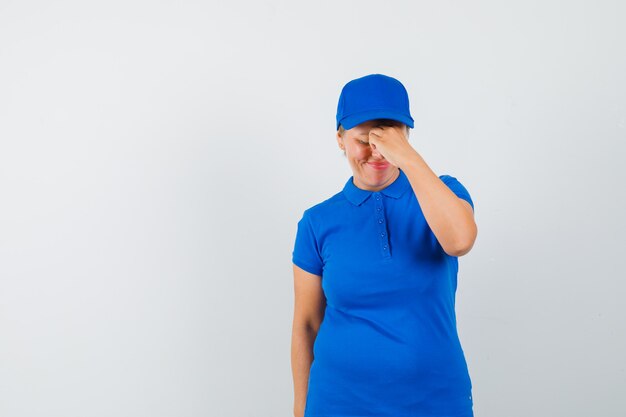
x: 327, y: 206
x: 447, y: 178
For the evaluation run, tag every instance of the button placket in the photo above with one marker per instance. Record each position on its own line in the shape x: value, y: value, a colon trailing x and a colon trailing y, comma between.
x: 383, y: 236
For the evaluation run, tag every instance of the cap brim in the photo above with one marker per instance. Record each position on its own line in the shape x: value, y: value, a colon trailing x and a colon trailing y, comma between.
x: 356, y: 119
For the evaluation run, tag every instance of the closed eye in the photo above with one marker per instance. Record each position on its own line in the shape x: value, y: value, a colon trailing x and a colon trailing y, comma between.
x: 363, y: 143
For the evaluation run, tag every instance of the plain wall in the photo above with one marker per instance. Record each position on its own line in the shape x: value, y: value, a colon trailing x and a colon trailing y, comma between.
x: 155, y: 158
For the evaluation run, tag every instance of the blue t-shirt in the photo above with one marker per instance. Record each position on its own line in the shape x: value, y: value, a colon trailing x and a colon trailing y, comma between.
x: 388, y: 343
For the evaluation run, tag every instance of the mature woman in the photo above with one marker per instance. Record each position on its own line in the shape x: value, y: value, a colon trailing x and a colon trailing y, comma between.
x: 375, y: 274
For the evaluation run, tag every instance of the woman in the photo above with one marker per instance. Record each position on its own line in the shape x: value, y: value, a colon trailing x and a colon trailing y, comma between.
x: 375, y: 274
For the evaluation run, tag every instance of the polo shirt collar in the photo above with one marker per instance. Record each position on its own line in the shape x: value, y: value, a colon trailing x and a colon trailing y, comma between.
x: 357, y: 195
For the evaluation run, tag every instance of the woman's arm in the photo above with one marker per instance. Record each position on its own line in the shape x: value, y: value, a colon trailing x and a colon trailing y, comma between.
x: 450, y: 218
x: 309, y: 306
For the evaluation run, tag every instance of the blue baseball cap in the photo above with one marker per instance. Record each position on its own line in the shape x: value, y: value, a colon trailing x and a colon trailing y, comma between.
x: 374, y: 96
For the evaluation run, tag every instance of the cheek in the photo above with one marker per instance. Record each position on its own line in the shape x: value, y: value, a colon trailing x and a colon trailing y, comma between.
x: 359, y: 152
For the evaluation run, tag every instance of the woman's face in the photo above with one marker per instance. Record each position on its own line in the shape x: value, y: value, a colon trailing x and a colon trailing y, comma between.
x: 370, y: 169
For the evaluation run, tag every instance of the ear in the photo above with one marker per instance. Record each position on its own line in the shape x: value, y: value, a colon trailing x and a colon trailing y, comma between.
x: 340, y: 141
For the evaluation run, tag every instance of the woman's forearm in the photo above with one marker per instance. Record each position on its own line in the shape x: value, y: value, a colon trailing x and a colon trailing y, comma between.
x: 302, y: 339
x: 447, y: 216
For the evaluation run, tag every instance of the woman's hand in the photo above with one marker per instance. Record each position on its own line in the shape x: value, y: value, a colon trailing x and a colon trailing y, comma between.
x: 392, y: 143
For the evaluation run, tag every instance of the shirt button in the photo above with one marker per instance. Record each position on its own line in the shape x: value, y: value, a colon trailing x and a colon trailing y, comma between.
x: 378, y: 209
x: 377, y: 197
x: 382, y: 235
x: 380, y: 220
x: 385, y: 247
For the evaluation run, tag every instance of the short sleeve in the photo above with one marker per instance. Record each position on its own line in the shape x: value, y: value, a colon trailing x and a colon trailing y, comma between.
x: 457, y: 188
x: 306, y: 253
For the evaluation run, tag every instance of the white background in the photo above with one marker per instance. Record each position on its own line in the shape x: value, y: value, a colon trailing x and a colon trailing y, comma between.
x: 155, y: 158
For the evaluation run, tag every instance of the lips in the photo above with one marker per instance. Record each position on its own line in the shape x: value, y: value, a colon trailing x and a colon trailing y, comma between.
x: 378, y: 165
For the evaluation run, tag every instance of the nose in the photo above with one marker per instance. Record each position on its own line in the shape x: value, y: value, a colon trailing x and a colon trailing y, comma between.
x: 375, y: 152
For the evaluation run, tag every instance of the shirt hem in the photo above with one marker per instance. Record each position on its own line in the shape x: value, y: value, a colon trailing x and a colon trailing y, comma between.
x: 469, y: 413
